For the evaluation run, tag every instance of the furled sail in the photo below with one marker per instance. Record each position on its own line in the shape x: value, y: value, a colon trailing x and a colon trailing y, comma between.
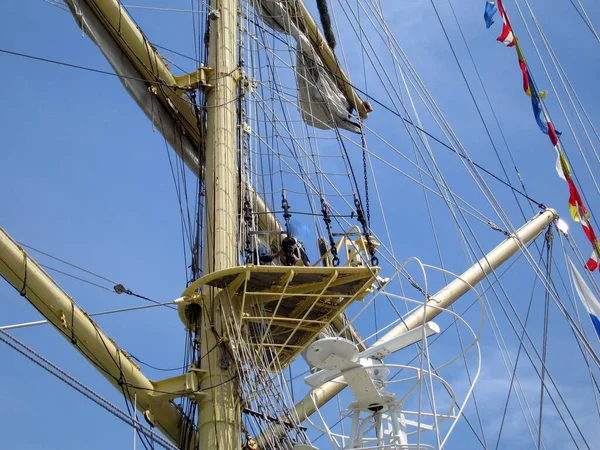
x: 321, y: 102
x: 134, y: 84
x: 275, y: 15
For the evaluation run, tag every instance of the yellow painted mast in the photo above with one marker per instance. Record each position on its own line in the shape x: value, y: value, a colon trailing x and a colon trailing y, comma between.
x: 219, y: 409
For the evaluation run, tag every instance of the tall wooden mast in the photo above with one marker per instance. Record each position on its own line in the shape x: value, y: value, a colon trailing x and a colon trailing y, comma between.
x: 219, y: 407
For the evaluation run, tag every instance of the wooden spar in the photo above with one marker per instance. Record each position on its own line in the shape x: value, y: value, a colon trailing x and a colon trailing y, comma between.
x: 441, y: 300
x: 25, y: 275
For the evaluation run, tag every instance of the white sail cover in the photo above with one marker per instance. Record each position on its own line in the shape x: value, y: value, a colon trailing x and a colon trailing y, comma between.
x: 133, y: 83
x: 321, y: 102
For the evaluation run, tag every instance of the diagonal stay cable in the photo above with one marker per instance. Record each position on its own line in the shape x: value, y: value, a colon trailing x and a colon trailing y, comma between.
x: 82, y: 388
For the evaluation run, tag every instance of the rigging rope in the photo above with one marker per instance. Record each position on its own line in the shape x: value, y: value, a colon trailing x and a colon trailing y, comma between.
x: 549, y: 240
x: 364, y: 152
x: 365, y: 175
x: 360, y: 91
x: 82, y: 389
x: 585, y: 18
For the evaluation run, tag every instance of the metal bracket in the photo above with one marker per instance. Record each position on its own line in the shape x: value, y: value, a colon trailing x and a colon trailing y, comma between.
x: 248, y: 84
x: 186, y: 385
x: 195, y: 80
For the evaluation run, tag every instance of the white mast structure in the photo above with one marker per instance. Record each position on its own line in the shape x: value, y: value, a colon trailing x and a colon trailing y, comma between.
x: 212, y: 384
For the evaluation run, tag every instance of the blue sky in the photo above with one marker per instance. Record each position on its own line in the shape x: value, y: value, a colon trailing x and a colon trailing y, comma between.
x: 86, y: 178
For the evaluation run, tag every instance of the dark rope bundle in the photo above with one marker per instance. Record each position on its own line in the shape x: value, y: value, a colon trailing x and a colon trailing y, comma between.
x: 326, y: 22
